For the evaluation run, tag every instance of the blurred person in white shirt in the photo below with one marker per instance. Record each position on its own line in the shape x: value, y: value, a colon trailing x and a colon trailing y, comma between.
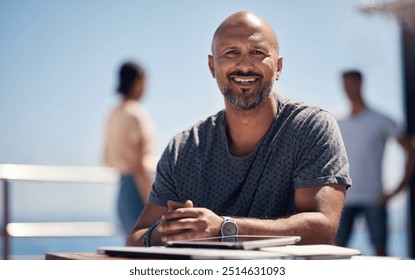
x: 365, y: 132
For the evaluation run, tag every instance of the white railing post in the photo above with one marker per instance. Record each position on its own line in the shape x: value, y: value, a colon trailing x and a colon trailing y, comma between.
x: 39, y: 173
x: 5, y: 235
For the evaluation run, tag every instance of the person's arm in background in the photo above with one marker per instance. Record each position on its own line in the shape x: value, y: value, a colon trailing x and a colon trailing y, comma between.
x: 142, y: 174
x: 405, y: 142
x: 141, y: 132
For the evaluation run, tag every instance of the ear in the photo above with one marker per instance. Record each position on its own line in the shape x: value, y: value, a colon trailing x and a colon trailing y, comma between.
x: 211, y: 68
x: 279, y: 68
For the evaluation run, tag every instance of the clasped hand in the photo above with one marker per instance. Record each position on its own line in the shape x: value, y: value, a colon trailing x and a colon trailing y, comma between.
x: 183, y: 221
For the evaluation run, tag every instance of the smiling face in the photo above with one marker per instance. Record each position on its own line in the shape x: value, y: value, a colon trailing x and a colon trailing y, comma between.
x: 245, y: 60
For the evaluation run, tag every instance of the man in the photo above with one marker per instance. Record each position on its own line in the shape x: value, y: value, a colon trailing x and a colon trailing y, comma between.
x: 365, y: 132
x: 265, y: 165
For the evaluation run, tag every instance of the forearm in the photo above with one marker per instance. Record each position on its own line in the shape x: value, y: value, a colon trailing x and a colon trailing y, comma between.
x: 137, y: 237
x: 313, y: 227
x: 409, y: 169
x: 149, y: 217
x: 409, y: 165
x: 143, y: 183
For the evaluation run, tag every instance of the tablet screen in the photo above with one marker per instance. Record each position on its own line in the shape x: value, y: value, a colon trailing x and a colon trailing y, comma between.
x: 247, y: 242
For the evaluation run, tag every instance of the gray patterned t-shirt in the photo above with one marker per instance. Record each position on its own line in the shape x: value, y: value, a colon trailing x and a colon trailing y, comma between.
x: 303, y: 147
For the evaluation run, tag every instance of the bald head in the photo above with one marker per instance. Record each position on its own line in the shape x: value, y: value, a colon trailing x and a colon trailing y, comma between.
x: 245, y: 60
x: 246, y: 21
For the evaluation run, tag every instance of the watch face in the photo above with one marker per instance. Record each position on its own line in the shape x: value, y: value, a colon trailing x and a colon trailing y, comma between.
x: 229, y: 228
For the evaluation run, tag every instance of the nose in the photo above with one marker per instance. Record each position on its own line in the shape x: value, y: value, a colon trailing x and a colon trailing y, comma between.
x: 244, y: 63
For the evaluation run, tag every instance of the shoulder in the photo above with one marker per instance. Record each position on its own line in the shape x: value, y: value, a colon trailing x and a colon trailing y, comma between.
x: 379, y: 116
x: 300, y: 113
x: 383, y: 121
x: 197, y: 133
x: 297, y: 107
x: 125, y: 110
x: 135, y: 110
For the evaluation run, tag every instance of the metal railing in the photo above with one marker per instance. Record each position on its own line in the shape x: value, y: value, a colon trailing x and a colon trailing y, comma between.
x: 39, y: 173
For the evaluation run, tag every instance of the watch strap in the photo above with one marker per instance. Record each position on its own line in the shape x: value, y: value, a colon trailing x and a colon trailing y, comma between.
x: 147, y: 235
x: 226, y: 218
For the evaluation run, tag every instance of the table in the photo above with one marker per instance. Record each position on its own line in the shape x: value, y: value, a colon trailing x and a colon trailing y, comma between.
x: 80, y: 256
x: 96, y: 256
x: 322, y: 251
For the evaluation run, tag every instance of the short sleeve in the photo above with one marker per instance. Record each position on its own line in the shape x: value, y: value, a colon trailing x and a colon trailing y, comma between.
x: 321, y: 155
x: 392, y: 128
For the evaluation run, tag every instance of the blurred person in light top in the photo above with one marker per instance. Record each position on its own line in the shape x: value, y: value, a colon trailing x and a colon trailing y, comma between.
x: 129, y: 145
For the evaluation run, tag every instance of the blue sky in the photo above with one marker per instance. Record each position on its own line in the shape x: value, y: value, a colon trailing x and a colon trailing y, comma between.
x: 59, y: 61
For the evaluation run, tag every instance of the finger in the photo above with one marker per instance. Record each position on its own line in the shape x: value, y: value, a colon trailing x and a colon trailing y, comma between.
x: 174, y: 226
x: 182, y: 235
x: 180, y: 213
x: 167, y: 232
x: 188, y: 204
x: 174, y: 205
x: 194, y: 230
x: 185, y: 234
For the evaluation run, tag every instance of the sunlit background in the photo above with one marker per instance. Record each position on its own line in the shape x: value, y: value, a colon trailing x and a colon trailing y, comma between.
x: 58, y: 73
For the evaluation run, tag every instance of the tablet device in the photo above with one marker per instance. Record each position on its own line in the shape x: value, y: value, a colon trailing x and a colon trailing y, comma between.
x: 161, y: 252
x: 244, y: 242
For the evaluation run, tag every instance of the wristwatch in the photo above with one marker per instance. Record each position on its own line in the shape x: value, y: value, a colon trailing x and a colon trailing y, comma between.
x: 229, y: 227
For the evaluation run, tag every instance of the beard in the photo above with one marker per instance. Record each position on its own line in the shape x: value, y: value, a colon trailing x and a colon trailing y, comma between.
x: 246, y: 101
